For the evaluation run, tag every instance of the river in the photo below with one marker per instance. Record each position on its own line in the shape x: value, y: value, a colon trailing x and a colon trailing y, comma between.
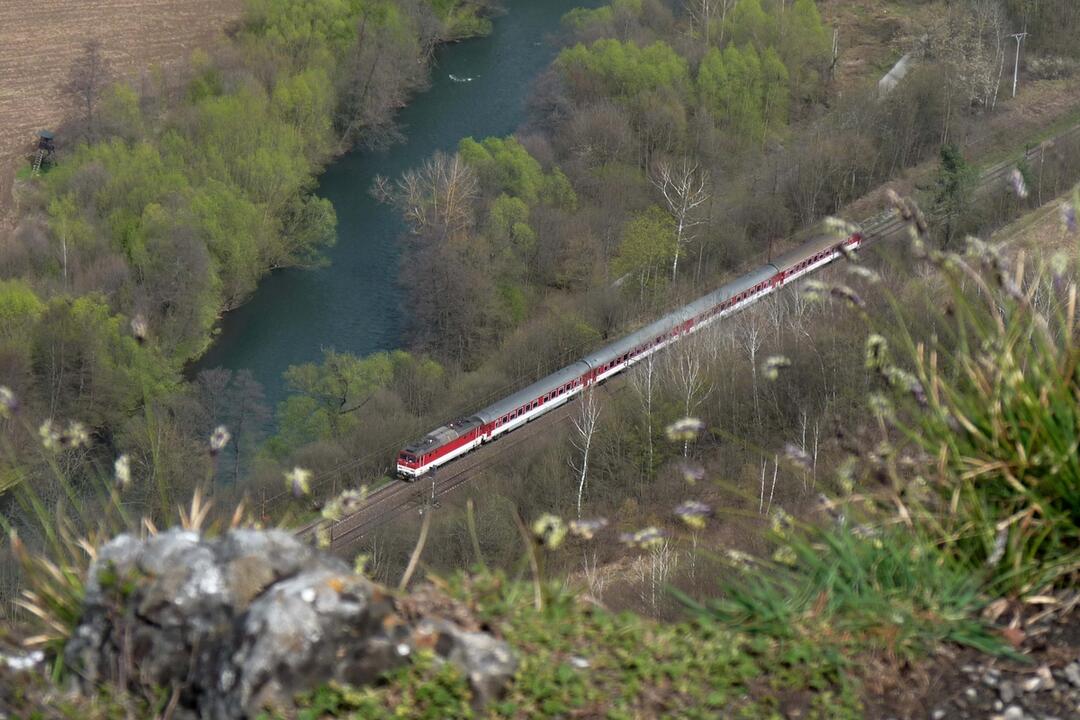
x: 356, y: 303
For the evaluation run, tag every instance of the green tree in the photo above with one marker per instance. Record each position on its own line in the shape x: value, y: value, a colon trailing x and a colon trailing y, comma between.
x: 731, y: 88
x: 774, y: 92
x: 325, y: 397
x: 954, y: 186
x: 503, y: 165
x: 749, y: 24
x: 623, y: 70
x: 647, y: 246
x: 805, y: 47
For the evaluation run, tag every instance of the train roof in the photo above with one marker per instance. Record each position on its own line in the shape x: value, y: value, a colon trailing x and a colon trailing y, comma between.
x: 527, y: 394
x: 676, y: 317
x: 807, y: 249
x: 440, y: 436
x: 722, y: 293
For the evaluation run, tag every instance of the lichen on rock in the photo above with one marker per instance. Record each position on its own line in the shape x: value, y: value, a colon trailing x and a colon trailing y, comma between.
x: 243, y: 621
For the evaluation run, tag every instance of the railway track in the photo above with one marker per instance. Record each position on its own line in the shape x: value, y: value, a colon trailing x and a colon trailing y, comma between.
x: 393, y: 500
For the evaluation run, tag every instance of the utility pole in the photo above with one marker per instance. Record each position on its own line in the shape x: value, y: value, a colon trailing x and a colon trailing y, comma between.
x: 1016, y: 68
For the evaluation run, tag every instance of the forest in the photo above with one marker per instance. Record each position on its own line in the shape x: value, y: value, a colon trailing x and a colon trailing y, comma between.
x: 176, y: 198
x: 667, y: 148
x: 875, y: 462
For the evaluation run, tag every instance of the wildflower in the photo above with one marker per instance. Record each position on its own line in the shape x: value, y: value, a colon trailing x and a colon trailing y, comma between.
x: 360, y: 563
x: 797, y: 456
x: 644, y: 539
x: 9, y: 404
x: 122, y: 471
x: 905, y: 380
x: 845, y: 474
x: 840, y: 227
x: 864, y: 273
x: 785, y: 555
x: 694, y: 513
x: 1016, y: 180
x: 219, y: 439
x: 298, y: 480
x: 781, y: 522
x: 684, y: 430
x: 881, y: 406
x: 333, y: 511
x: 1068, y: 217
x: 50, y: 436
x: 586, y: 529
x: 76, y: 435
x: 848, y: 295
x: 691, y: 471
x: 898, y: 203
x: 351, y: 500
x: 814, y: 290
x: 139, y: 327
x: 848, y: 253
x: 773, y: 365
x: 1059, y: 265
x: 549, y: 530
x: 882, y: 452
x: 740, y: 559
x: 877, y: 349
x: 323, y: 536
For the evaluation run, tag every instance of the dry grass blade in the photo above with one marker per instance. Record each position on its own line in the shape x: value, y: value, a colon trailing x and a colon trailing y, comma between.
x: 414, y: 559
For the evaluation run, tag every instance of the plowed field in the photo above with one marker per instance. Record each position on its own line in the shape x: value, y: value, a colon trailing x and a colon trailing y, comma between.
x: 40, y: 39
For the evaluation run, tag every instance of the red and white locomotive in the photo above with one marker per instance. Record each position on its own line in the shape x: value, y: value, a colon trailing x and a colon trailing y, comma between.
x: 450, y: 441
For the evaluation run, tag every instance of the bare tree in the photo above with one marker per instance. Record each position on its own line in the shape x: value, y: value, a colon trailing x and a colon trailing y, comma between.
x: 595, y: 579
x: 89, y: 75
x: 585, y: 425
x: 970, y: 39
x: 653, y: 571
x: 683, y: 185
x: 689, y: 376
x: 643, y: 380
x: 436, y: 199
x: 704, y: 13
x: 751, y: 338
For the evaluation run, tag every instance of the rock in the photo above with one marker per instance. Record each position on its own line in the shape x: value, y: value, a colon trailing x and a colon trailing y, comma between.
x: 246, y: 620
x: 938, y: 714
x: 1072, y: 673
x: 1046, y: 676
x: 971, y: 693
x: 1013, y: 712
x: 1006, y: 691
x: 1032, y: 684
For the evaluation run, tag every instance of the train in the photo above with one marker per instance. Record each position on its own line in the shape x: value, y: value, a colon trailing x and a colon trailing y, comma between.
x: 446, y: 443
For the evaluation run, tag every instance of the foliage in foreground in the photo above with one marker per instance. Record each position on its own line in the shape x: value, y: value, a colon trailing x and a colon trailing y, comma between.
x: 578, y: 659
x: 838, y: 586
x: 991, y: 410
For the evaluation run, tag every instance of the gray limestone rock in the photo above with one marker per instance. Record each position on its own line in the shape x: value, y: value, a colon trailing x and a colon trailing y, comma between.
x: 246, y: 620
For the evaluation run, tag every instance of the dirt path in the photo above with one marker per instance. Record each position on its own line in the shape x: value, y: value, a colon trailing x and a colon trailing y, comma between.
x: 40, y: 39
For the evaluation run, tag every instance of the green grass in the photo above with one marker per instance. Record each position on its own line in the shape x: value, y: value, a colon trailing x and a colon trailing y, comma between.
x: 635, y: 667
x: 892, y: 592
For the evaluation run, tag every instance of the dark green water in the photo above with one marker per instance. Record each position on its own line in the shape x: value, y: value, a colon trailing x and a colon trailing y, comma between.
x: 356, y: 304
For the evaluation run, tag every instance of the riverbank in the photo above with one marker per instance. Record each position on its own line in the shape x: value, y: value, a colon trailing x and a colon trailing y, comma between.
x: 177, y: 199
x: 354, y: 304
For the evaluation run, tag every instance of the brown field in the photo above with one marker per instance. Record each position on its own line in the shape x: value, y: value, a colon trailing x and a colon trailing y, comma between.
x: 40, y: 39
